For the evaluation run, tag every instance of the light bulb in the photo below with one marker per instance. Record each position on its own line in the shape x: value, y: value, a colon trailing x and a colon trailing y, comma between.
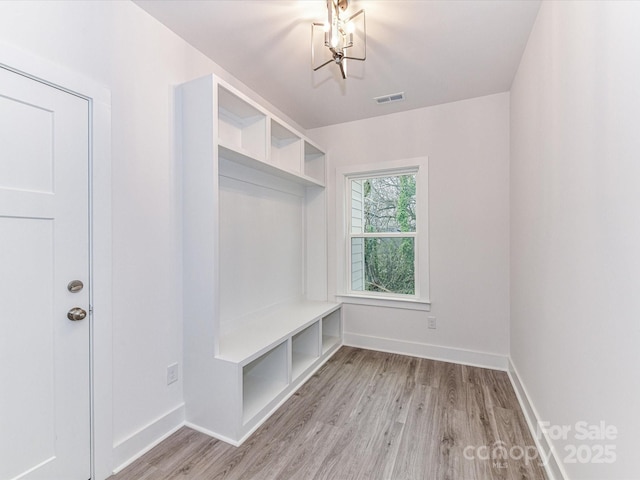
x: 350, y: 27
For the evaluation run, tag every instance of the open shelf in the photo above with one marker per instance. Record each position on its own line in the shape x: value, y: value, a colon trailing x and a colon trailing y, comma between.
x: 305, y: 349
x: 262, y: 380
x: 241, y: 127
x: 331, y: 331
x: 286, y: 148
x: 313, y: 162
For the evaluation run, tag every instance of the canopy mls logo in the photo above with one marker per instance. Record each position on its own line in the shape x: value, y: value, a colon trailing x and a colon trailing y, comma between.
x: 499, y: 454
x: 583, y: 443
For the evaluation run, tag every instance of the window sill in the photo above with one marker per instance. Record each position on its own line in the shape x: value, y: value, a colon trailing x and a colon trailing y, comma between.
x: 404, y: 303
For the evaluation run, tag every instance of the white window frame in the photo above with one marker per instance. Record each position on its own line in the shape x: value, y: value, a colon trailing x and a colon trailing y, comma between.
x: 344, y: 175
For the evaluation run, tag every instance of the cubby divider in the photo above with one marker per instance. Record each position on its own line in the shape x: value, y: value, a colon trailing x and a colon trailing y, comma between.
x: 241, y: 126
x: 314, y: 161
x: 286, y: 148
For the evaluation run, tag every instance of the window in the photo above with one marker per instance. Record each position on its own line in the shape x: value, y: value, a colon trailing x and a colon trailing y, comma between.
x: 382, y: 234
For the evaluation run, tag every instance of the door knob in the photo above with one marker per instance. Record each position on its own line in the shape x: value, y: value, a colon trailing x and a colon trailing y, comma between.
x: 75, y: 286
x: 76, y: 313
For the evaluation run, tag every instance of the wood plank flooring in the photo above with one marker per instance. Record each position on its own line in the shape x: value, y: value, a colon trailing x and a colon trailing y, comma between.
x: 368, y: 415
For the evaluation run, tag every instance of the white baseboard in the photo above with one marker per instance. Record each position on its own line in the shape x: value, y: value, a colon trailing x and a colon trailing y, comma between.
x: 424, y: 350
x: 140, y: 442
x: 554, y: 468
x: 212, y: 434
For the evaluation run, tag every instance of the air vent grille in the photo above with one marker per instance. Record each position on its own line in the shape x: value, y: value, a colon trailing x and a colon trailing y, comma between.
x: 393, y: 97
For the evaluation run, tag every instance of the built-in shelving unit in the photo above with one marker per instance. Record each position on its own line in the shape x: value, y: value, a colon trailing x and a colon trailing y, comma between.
x: 257, y: 322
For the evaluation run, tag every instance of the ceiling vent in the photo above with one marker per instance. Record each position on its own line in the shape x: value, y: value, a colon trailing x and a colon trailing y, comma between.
x: 394, y: 97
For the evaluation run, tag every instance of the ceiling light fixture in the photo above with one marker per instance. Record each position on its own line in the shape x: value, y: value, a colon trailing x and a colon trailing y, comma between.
x: 343, y: 35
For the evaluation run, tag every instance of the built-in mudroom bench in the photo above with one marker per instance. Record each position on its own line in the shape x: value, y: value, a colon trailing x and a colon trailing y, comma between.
x: 257, y: 323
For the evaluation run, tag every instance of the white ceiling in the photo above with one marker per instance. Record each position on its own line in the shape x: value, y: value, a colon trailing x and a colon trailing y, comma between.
x: 436, y: 51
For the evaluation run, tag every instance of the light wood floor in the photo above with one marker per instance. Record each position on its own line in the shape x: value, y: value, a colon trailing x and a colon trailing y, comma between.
x: 368, y: 415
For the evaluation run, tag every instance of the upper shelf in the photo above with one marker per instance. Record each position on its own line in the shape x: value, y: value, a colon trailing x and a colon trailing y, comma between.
x: 241, y: 126
x: 250, y: 136
x: 245, y: 158
x: 286, y: 148
x: 314, y: 166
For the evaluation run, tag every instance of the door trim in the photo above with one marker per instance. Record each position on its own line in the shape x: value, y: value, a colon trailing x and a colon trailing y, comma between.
x: 100, y: 255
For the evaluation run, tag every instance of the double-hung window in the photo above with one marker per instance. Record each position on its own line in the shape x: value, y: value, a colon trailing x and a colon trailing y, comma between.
x: 385, y: 220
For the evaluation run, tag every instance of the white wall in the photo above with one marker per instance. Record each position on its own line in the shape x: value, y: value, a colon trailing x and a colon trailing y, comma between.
x: 575, y: 225
x: 120, y: 46
x: 574, y: 197
x: 467, y: 144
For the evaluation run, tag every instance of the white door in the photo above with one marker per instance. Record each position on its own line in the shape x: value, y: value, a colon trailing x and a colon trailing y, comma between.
x: 44, y: 245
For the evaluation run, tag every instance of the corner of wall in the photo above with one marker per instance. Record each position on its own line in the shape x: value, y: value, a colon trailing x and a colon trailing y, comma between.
x: 140, y: 442
x: 545, y: 447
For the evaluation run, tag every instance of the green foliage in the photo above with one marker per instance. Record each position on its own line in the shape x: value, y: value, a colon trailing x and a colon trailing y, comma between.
x: 389, y: 265
x: 406, y: 197
x: 389, y: 204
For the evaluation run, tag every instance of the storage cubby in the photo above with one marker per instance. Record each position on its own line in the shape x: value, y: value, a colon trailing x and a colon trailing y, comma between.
x: 254, y: 260
x: 305, y: 349
x: 331, y: 331
x: 285, y: 148
x: 262, y: 380
x: 241, y: 126
x: 314, y: 162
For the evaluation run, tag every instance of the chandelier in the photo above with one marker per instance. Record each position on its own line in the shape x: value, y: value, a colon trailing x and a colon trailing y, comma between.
x: 344, y: 36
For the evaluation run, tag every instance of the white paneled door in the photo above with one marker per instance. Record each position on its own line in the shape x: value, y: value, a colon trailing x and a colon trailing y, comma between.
x: 44, y: 260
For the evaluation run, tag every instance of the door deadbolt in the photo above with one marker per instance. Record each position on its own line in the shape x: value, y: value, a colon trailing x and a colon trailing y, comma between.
x: 76, y: 313
x: 75, y: 286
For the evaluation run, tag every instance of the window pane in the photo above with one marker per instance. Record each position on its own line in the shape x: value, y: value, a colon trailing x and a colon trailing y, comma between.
x: 383, y: 265
x: 383, y: 204
x: 357, y: 264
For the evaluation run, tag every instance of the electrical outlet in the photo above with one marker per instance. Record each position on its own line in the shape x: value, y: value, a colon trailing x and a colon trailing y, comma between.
x: 431, y: 322
x: 172, y: 374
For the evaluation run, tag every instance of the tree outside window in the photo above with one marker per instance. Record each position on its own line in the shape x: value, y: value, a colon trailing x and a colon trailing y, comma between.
x: 383, y: 234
